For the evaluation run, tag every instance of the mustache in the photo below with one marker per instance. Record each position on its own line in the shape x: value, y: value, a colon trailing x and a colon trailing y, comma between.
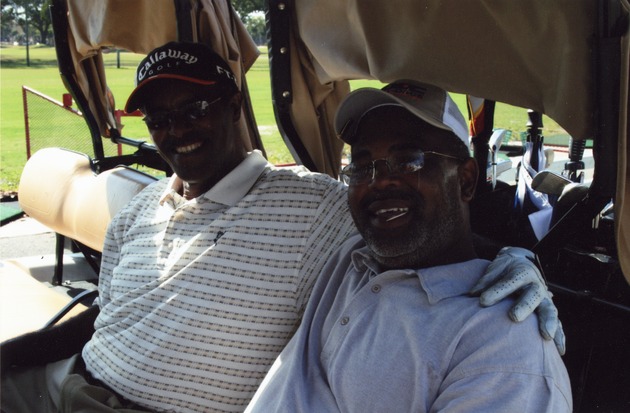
x: 188, y: 137
x: 387, y: 194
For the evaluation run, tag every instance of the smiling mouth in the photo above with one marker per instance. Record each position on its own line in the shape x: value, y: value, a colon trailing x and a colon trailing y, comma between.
x: 390, y: 214
x: 188, y: 148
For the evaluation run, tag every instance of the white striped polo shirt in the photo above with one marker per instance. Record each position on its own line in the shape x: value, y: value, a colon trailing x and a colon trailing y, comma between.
x: 198, y: 297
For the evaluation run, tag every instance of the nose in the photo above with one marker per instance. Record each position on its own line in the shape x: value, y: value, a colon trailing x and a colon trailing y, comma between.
x: 383, y: 170
x: 382, y: 175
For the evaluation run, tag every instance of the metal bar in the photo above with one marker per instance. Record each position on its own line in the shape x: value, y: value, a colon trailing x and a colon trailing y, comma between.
x: 27, y: 129
x: 59, y: 248
x: 279, y: 29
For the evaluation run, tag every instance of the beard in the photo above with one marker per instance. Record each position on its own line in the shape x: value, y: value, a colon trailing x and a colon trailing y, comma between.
x: 415, y: 245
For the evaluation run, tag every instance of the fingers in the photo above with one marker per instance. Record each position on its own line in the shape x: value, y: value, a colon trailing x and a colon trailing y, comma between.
x: 518, y: 277
x: 527, y: 302
x: 550, y: 326
x: 560, y: 340
x: 495, y: 270
x: 548, y: 321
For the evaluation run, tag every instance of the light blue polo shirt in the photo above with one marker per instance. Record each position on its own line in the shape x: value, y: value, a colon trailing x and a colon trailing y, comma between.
x: 411, y: 341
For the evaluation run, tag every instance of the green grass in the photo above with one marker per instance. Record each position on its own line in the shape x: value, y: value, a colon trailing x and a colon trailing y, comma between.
x: 43, y: 76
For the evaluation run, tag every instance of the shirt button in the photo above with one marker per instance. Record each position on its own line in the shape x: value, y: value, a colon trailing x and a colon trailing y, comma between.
x: 345, y: 320
x: 376, y: 288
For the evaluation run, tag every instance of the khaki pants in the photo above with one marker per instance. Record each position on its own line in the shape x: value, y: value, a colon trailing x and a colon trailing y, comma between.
x: 59, y: 387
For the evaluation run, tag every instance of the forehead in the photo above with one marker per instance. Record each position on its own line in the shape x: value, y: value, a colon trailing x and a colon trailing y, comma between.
x: 392, y: 128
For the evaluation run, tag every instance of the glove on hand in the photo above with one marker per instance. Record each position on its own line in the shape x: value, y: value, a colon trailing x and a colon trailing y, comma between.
x: 514, y: 270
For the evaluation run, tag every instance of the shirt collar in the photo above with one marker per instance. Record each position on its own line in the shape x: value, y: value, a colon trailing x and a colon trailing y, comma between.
x: 438, y: 282
x: 232, y: 188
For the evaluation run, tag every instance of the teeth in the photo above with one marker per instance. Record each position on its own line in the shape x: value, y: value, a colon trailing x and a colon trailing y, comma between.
x: 391, y: 210
x: 187, y: 148
x: 398, y: 212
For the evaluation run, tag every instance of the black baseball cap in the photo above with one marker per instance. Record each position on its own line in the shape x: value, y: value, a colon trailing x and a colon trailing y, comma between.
x: 190, y: 62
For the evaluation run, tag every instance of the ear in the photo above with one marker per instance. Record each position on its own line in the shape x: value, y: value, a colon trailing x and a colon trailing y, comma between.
x: 235, y: 105
x: 468, y: 172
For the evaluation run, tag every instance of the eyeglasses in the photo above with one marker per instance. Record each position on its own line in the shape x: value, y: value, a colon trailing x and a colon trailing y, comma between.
x: 365, y: 172
x: 193, y: 111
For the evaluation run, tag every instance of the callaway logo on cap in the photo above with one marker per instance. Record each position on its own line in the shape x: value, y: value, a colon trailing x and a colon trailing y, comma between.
x: 190, y: 62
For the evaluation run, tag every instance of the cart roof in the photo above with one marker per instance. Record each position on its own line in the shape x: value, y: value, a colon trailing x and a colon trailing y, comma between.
x: 538, y: 54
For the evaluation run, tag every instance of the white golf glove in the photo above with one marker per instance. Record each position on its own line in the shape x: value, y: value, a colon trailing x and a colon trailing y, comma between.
x: 513, y: 270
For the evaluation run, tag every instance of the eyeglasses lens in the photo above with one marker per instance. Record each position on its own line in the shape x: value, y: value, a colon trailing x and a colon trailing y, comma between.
x: 363, y: 173
x: 193, y: 111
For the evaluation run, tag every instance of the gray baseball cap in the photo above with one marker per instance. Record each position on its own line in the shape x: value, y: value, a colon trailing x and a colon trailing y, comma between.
x: 429, y: 103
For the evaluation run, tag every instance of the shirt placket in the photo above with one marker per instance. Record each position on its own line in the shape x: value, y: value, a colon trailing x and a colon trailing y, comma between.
x: 174, y: 235
x: 349, y: 316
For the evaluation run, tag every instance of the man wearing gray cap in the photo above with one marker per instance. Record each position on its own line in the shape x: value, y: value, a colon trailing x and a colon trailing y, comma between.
x: 204, y: 276
x: 390, y: 326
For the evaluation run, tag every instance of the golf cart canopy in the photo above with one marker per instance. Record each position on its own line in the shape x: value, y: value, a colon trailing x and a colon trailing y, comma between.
x: 566, y: 59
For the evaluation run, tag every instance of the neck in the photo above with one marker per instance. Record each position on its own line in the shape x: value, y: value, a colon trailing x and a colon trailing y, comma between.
x: 193, y: 190
x: 460, y: 250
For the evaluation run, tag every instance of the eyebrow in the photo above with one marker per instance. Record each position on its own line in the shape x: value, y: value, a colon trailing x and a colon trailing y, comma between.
x: 400, y: 147
x: 178, y: 106
x: 406, y: 146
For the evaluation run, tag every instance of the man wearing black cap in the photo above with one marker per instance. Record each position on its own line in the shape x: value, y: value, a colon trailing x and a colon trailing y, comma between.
x: 205, y: 276
x: 390, y: 326
x: 191, y: 104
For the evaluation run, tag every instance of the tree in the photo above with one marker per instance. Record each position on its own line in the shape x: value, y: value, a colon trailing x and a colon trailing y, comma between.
x: 6, y: 26
x: 245, y: 7
x: 33, y: 13
x: 252, y: 13
x: 256, y: 26
x: 39, y: 17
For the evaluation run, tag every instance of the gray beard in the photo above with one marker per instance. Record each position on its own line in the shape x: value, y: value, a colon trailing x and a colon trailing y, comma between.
x: 421, y: 241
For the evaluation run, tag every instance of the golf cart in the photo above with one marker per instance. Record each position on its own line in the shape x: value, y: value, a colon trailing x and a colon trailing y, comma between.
x: 567, y: 60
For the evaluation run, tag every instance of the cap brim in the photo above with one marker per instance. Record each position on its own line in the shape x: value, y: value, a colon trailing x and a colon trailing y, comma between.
x: 137, y: 96
x: 357, y: 103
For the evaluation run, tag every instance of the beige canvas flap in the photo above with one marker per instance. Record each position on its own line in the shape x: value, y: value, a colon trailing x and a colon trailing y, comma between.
x: 140, y: 26
x: 534, y: 54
